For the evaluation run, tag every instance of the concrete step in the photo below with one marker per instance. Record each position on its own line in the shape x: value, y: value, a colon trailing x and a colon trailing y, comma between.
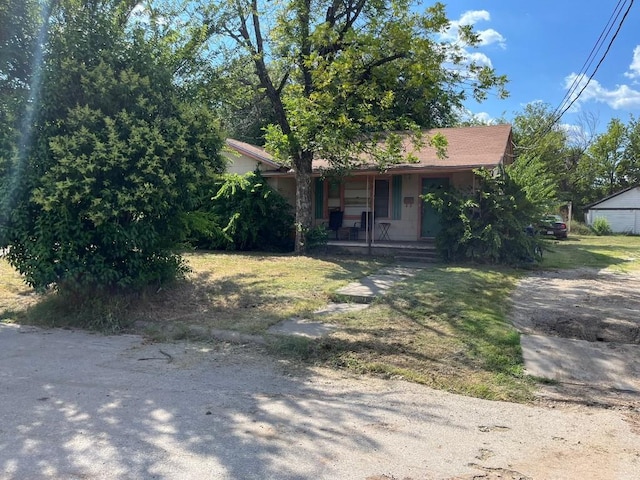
x: 427, y: 254
x: 432, y: 257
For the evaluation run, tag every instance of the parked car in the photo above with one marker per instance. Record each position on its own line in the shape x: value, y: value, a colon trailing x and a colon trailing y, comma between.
x: 553, y: 225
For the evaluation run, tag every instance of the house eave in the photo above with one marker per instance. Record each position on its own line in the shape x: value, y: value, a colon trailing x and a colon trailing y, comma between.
x: 602, y: 200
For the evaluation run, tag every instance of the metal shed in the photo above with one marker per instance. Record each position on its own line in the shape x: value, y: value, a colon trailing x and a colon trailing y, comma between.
x: 621, y: 210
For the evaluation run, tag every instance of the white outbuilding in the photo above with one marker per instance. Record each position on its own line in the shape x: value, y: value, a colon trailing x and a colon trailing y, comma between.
x: 621, y: 210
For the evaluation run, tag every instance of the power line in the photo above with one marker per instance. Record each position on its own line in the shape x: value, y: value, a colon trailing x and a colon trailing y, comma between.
x: 559, y: 111
x: 594, y: 51
x: 586, y: 84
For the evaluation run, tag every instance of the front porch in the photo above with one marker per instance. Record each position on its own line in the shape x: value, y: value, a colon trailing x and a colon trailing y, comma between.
x: 421, y: 251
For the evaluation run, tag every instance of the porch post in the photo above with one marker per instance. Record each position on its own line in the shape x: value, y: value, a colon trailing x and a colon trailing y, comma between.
x: 373, y: 210
x: 368, y: 218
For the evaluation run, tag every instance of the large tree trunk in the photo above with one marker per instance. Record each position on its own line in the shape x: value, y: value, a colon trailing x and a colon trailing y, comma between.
x: 304, y: 218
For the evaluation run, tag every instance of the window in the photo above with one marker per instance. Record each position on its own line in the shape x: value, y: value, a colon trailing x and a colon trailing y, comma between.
x: 333, y: 195
x: 355, y: 196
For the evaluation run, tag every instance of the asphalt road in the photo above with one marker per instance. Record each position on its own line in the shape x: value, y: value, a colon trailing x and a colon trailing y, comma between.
x: 79, y: 406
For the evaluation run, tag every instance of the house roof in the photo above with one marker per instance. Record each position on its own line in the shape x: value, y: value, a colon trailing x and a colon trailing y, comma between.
x: 252, y: 151
x: 602, y: 200
x: 467, y: 148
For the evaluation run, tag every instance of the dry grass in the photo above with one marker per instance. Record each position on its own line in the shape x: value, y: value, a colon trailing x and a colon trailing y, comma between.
x: 15, y: 296
x: 250, y: 292
x: 447, y: 327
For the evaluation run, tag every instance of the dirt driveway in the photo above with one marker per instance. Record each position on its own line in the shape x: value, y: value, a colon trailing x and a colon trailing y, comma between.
x: 581, y: 329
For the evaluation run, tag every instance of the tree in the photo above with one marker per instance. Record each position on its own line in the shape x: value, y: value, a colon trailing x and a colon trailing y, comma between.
x: 540, y: 148
x: 602, y: 167
x: 338, y: 72
x: 118, y: 151
x: 19, y: 25
x: 630, y: 163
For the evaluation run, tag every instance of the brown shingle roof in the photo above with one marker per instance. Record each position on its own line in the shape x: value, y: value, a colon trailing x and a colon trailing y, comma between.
x: 467, y: 148
x: 485, y: 145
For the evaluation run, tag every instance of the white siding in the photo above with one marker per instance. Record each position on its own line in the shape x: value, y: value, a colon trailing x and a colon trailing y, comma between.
x: 622, y: 212
x: 620, y: 221
x: 628, y: 199
x: 237, y: 163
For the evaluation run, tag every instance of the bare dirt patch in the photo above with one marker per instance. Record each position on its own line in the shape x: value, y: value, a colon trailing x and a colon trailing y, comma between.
x: 584, y: 304
x: 599, y: 308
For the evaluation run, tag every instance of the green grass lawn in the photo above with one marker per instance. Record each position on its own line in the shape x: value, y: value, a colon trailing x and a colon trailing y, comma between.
x: 619, y: 252
x: 447, y: 327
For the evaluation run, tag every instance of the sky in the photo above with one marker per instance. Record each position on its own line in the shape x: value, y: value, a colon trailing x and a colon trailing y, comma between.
x: 542, y: 47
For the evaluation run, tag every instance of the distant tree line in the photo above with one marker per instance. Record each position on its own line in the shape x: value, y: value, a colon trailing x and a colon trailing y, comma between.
x: 556, y: 164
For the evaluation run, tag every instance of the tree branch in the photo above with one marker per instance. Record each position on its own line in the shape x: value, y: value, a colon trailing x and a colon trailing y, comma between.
x: 351, y: 13
x: 366, y: 74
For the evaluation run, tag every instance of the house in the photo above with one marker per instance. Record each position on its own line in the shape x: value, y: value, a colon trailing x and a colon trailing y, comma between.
x: 391, y: 198
x: 621, y: 210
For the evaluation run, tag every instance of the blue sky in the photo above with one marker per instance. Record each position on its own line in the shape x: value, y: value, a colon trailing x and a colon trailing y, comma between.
x: 541, y: 46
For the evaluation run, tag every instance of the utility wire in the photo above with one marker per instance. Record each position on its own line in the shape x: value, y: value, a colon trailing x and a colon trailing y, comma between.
x: 578, y: 78
x: 562, y: 109
x: 594, y: 51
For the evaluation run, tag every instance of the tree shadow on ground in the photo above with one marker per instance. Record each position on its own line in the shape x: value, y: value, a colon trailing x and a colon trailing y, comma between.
x: 78, y: 405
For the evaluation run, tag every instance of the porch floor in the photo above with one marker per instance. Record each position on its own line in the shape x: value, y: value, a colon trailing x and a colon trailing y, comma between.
x: 417, y: 245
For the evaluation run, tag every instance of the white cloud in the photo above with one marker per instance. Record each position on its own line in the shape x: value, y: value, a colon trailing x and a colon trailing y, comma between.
x: 621, y: 97
x: 479, y: 59
x: 574, y: 132
x: 634, y: 68
x: 490, y: 36
x: 472, y: 17
x: 485, y: 118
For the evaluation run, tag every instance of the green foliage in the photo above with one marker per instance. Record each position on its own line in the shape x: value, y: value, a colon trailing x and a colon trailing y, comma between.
x: 19, y: 24
x: 538, y: 166
x: 316, y: 237
x: 602, y: 166
x: 245, y: 214
x: 19, y: 27
x: 630, y: 163
x: 579, y: 228
x: 118, y: 155
x: 488, y: 224
x: 601, y: 226
x: 336, y: 73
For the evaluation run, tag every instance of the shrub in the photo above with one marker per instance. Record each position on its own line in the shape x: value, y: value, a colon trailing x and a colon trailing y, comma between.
x: 245, y: 214
x: 316, y: 237
x: 117, y: 151
x: 601, y: 226
x: 488, y: 224
x: 579, y: 228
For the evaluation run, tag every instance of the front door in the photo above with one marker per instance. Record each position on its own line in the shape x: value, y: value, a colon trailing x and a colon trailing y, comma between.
x: 430, y: 221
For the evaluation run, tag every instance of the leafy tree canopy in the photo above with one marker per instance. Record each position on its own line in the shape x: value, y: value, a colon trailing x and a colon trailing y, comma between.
x: 336, y: 72
x: 539, y: 152
x: 118, y: 150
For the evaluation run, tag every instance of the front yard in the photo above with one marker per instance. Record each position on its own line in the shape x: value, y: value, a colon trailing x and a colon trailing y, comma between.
x: 447, y: 327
